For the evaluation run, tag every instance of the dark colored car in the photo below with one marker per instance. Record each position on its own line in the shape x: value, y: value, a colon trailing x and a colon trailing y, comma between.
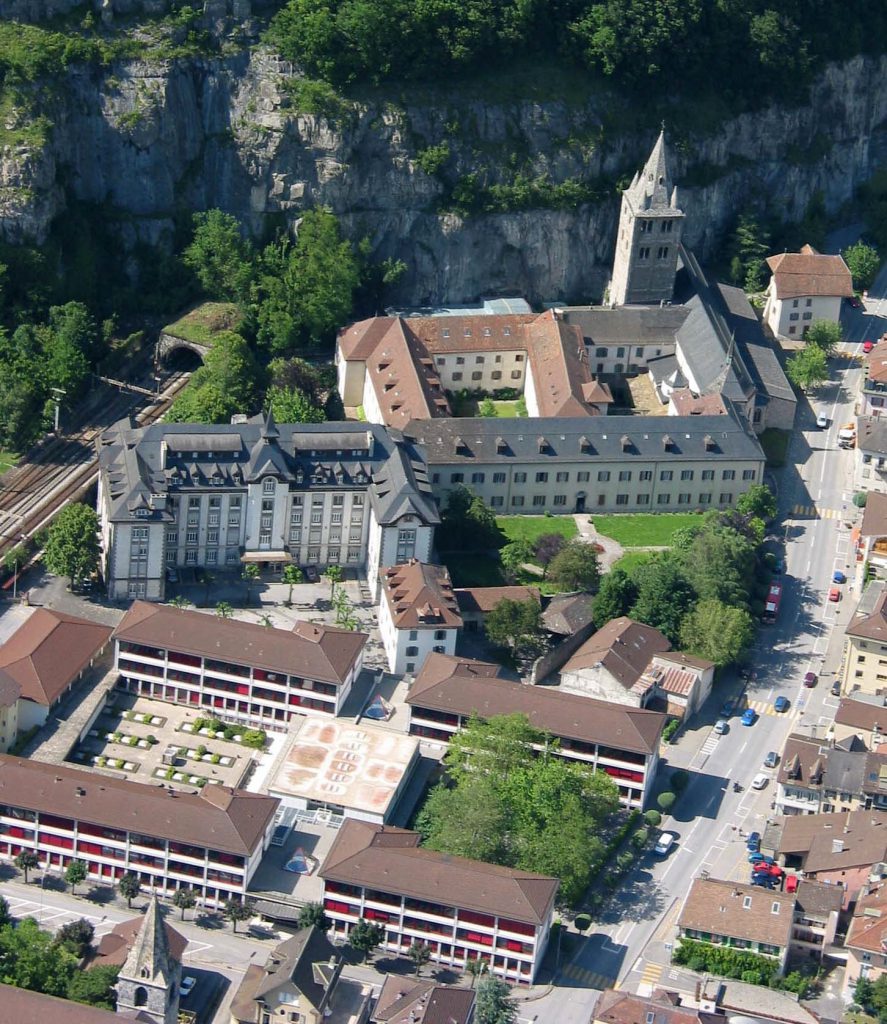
x: 810, y: 679
x: 771, y: 760
x: 780, y: 704
x: 753, y: 842
x: 727, y: 708
x: 855, y: 301
x: 835, y: 690
x: 765, y: 881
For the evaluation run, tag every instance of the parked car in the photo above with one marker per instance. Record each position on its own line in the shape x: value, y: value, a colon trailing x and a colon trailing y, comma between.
x: 187, y: 986
x: 759, y: 781
x: 727, y: 708
x: 771, y: 760
x: 763, y: 863
x: 822, y: 421
x: 664, y: 843
x: 834, y: 595
x: 855, y: 301
x: 749, y: 716
x: 781, y: 704
x: 791, y: 883
x: 835, y: 690
x: 838, y: 577
x: 867, y: 346
x: 765, y: 881
x: 809, y: 680
x: 721, y: 727
x: 753, y: 842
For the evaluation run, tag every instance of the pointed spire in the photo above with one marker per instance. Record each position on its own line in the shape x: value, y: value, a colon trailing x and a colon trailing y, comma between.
x: 269, y: 430
x: 149, y: 957
x: 653, y: 188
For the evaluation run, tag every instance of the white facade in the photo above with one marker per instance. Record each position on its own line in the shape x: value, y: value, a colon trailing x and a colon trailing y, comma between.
x: 789, y: 318
x: 407, y: 649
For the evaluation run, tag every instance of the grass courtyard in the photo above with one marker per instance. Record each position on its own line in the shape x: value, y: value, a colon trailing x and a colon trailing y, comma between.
x: 645, y: 530
x: 531, y: 528
x: 463, y: 407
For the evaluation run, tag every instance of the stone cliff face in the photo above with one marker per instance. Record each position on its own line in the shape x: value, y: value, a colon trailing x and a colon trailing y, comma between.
x: 150, y: 140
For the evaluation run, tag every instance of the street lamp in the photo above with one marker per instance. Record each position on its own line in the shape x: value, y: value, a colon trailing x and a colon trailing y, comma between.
x: 22, y: 538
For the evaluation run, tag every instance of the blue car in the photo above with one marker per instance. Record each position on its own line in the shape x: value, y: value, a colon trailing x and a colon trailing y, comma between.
x: 780, y: 704
x: 838, y: 577
x: 749, y: 716
x: 756, y: 857
x: 765, y: 881
x: 753, y: 842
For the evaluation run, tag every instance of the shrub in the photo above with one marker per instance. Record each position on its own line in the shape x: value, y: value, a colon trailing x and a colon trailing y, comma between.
x: 101, y: 761
x: 214, y: 725
x: 680, y: 780
x: 201, y: 783
x: 117, y: 737
x: 153, y: 740
x: 665, y: 801
x: 130, y: 716
x: 170, y: 772
x: 640, y: 837
x: 652, y: 817
x: 215, y: 759
x: 198, y: 724
x: 624, y: 860
x: 254, y: 738
x: 230, y: 732
x: 201, y: 750
x: 583, y: 922
x: 859, y: 499
x: 671, y: 727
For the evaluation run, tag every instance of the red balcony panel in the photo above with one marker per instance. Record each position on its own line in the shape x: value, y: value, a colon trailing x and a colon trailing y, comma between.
x: 63, y: 842
x: 470, y: 917
x: 52, y: 821
x: 516, y: 926
x: 339, y: 908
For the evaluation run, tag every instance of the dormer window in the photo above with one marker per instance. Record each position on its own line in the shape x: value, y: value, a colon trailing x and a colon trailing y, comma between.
x: 142, y: 513
x: 268, y: 485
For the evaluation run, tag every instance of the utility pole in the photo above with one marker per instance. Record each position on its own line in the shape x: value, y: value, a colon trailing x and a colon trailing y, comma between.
x: 57, y: 395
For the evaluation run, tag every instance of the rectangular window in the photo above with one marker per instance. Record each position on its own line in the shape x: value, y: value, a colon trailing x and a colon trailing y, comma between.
x: 212, y: 556
x: 644, y: 252
x: 705, y: 499
x: 480, y: 359
x: 194, y: 503
x: 727, y: 499
x: 748, y: 474
x: 460, y: 360
x: 562, y: 478
x: 795, y: 303
x: 191, y: 537
x: 268, y: 485
x: 541, y: 478
x: 683, y: 499
x: 316, y: 518
x: 583, y: 476
x: 476, y: 374
x: 621, y: 499
x: 793, y: 316
x: 517, y: 500
x: 643, y: 499
x: 496, y: 375
x: 477, y: 478
x: 663, y: 499
x: 603, y: 476
x: 516, y: 374
x: 190, y: 558
x: 560, y: 499
x: 212, y: 536
x: 808, y: 302
x: 686, y: 474
x: 645, y: 474
x: 662, y: 252
x: 172, y: 537
x: 520, y: 478
x: 728, y: 474
x: 233, y: 556
x: 295, y: 536
x: 538, y: 500
x: 519, y: 357
x: 497, y: 501
x: 600, y: 353
x: 708, y: 474
x: 498, y: 478
x: 666, y: 474
x: 213, y: 518
x: 333, y: 555
x: 457, y: 375
x: 624, y: 474
x: 456, y: 478
x: 808, y: 316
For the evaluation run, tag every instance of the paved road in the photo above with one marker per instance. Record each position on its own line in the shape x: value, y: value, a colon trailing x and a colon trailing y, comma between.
x: 632, y: 944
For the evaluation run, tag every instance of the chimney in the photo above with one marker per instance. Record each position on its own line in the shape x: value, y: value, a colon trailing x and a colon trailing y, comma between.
x: 837, y: 846
x: 667, y: 442
x: 625, y: 442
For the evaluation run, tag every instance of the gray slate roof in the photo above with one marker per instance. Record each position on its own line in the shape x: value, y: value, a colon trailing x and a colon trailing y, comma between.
x: 593, y: 439
x: 141, y: 467
x: 627, y: 325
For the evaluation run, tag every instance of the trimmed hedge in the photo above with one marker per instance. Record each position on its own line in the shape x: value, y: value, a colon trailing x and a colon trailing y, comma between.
x: 726, y: 962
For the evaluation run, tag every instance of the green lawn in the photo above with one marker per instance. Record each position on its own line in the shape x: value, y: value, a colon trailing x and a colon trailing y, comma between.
x: 531, y: 528
x: 7, y: 460
x: 632, y: 559
x: 469, y: 407
x: 204, y: 322
x: 644, y: 530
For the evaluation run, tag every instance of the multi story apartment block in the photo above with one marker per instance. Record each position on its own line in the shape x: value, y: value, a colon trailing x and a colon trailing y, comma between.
x: 317, y: 494
x: 603, y: 464
x: 866, y: 941
x: 619, y: 740
x: 865, y: 659
x: 461, y: 909
x: 805, y: 286
x: 815, y: 777
x: 211, y: 842
x: 418, y: 615
x: 873, y: 397
x: 401, y: 368
x: 241, y: 671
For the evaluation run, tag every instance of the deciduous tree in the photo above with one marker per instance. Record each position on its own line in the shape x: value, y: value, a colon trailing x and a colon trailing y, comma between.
x: 863, y: 262
x: 824, y: 334
x: 129, y: 887
x: 76, y: 935
x: 616, y: 595
x: 494, y: 1003
x: 290, y: 405
x: 94, y: 987
x: 184, y: 899
x: 219, y: 256
x: 664, y: 596
x: 72, y: 545
x: 757, y: 501
x: 516, y: 625
x: 717, y: 631
x: 808, y: 368
x: 27, y: 861
x: 236, y: 910
x: 365, y: 937
x: 75, y: 873
x: 576, y: 567
x: 420, y: 954
x: 291, y: 576
x: 313, y: 915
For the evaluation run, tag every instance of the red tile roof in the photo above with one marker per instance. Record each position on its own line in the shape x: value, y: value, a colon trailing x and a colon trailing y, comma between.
x: 48, y: 651
x: 485, y: 599
x: 114, y: 945
x: 739, y: 911
x: 868, y: 929
x: 420, y: 596
x: 324, y: 653
x: 809, y: 273
x: 21, y: 1006
x: 390, y: 859
x: 624, y: 648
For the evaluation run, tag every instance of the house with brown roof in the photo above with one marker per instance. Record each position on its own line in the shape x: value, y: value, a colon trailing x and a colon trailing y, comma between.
x: 866, y: 941
x: 114, y: 946
x: 816, y: 776
x: 401, y: 368
x: 22, y: 1006
x: 741, y: 916
x: 836, y: 848
x: 44, y: 659
x: 618, y: 1007
x: 627, y: 662
x: 476, y: 603
x: 871, y: 539
x: 863, y: 715
x: 418, y: 614
x: 406, y: 1000
x: 684, y: 402
x: 243, y: 672
x: 805, y: 286
x: 619, y: 740
x: 866, y: 645
x: 301, y: 980
x: 211, y: 840
x: 461, y: 909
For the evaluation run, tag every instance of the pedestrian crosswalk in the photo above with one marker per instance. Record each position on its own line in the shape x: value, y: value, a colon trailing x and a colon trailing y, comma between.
x: 588, y: 979
x: 763, y: 707
x: 649, y: 978
x: 812, y: 512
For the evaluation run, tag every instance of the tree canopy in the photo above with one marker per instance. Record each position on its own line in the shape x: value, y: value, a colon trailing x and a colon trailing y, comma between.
x: 717, y: 631
x: 825, y: 334
x: 863, y: 263
x: 506, y: 804
x: 72, y: 545
x: 516, y: 625
x: 228, y: 383
x: 808, y: 368
x: 467, y: 524
x: 575, y: 567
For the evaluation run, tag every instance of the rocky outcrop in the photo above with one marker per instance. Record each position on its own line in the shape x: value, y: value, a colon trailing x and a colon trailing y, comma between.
x: 152, y: 139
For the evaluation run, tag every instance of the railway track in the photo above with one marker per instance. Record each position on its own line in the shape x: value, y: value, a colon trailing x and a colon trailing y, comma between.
x: 62, y: 469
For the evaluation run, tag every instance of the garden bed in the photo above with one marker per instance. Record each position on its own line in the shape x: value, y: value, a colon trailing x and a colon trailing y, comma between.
x: 183, y: 778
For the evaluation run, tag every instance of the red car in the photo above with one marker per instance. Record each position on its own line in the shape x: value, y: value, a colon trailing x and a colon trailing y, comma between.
x: 834, y: 595
x: 867, y: 346
x: 810, y: 679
